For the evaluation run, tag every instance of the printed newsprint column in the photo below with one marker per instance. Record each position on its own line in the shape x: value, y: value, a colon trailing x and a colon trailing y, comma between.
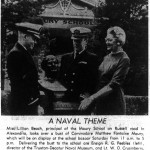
x: 74, y: 75
x: 75, y: 133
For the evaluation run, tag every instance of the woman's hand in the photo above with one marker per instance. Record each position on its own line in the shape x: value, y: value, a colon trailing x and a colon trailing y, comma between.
x: 85, y: 103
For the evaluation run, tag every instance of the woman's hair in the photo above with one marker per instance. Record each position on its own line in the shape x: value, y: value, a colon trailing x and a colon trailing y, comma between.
x: 118, y: 33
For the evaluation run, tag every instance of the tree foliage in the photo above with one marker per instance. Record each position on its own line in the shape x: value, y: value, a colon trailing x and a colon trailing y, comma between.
x: 126, y: 10
x: 16, y: 11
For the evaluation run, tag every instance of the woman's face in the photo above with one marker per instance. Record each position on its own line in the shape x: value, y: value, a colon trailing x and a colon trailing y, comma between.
x: 111, y: 42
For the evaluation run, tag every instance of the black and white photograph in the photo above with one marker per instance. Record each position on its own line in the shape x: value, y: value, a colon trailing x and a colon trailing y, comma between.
x: 74, y: 57
x: 74, y: 75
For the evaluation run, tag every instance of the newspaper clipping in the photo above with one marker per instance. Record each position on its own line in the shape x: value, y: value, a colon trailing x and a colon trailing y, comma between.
x: 74, y: 75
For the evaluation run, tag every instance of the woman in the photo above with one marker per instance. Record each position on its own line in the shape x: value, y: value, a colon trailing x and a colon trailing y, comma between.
x: 109, y: 98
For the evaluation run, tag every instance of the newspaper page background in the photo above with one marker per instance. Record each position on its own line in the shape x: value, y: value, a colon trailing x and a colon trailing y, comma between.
x: 66, y: 132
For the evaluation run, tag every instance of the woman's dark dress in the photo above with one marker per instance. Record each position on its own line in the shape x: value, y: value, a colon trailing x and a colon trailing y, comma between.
x: 112, y: 72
